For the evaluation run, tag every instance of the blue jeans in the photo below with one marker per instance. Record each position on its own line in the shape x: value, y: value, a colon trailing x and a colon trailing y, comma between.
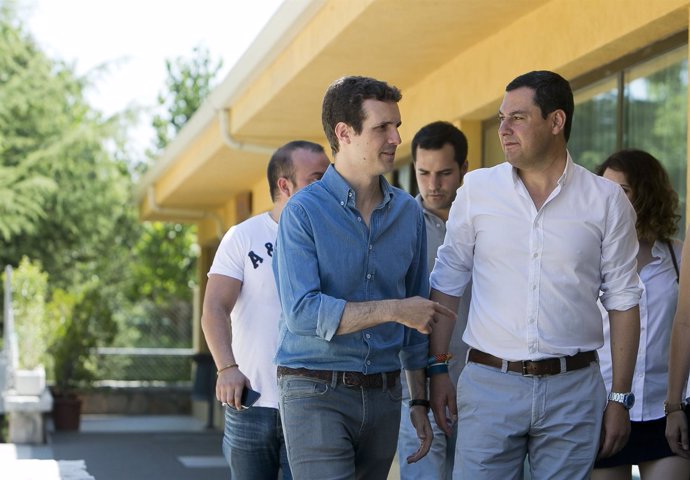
x: 336, y: 432
x: 253, y: 444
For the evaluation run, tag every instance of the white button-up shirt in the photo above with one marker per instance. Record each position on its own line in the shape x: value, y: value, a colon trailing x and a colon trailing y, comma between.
x: 657, y: 309
x: 536, y: 274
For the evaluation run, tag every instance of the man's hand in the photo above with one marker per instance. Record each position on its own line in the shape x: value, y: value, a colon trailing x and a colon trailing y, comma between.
x: 677, y: 433
x: 615, y: 430
x: 443, y: 400
x: 420, y: 421
x: 422, y: 314
x: 229, y: 386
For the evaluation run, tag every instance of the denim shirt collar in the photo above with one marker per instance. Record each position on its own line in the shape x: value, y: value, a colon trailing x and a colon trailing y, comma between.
x: 341, y: 190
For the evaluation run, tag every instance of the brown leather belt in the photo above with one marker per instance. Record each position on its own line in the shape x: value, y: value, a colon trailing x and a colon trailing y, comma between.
x: 548, y: 366
x: 349, y: 379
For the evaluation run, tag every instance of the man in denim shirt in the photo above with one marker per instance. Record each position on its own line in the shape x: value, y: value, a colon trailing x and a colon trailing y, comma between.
x: 351, y: 271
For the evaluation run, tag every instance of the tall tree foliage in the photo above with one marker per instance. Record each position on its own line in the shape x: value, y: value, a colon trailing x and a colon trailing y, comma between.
x: 189, y: 81
x: 66, y: 184
x: 166, y: 251
x: 67, y: 197
x: 23, y: 188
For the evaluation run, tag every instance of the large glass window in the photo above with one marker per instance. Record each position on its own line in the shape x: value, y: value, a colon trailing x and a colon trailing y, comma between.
x: 656, y: 112
x: 643, y: 106
x: 593, y: 134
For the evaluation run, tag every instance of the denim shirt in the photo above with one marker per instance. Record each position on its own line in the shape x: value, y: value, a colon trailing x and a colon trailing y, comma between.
x: 326, y: 256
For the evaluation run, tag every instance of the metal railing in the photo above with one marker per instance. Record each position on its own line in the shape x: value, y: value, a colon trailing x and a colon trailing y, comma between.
x: 138, y: 366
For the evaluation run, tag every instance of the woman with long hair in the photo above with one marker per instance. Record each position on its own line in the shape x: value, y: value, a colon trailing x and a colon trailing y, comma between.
x: 649, y: 189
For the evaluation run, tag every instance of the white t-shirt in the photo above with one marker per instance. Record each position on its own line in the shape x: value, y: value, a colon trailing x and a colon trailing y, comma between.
x: 246, y: 254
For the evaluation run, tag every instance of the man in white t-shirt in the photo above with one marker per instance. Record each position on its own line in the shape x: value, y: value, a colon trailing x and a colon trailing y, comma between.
x: 240, y: 320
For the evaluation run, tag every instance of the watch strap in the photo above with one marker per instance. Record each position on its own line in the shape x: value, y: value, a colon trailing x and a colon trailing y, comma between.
x: 625, y: 399
x: 673, y: 407
x: 419, y: 402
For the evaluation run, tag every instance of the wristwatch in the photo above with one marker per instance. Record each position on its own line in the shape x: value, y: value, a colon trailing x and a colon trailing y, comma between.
x: 626, y: 399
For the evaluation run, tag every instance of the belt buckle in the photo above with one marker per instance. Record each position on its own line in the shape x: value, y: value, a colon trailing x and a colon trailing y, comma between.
x: 525, y: 373
x: 346, y: 383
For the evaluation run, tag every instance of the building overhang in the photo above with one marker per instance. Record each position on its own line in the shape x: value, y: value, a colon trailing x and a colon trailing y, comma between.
x: 451, y: 59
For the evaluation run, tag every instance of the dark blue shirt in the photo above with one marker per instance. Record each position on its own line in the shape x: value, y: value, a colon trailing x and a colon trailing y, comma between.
x: 326, y: 256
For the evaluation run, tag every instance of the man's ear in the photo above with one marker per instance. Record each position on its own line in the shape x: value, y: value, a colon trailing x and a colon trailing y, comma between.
x: 284, y: 186
x: 463, y: 169
x: 343, y: 133
x: 557, y: 121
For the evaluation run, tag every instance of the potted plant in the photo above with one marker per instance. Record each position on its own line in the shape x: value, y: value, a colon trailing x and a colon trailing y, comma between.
x: 80, y: 323
x: 29, y: 285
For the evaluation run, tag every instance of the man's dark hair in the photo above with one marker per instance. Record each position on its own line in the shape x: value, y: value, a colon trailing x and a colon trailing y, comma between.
x: 551, y: 92
x: 281, y: 164
x: 343, y: 103
x: 435, y: 135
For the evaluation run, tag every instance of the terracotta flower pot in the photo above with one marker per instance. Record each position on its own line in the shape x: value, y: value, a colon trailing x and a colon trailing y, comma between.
x: 66, y: 412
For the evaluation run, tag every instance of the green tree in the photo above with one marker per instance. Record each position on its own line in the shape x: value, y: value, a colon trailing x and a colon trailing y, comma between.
x: 165, y: 268
x: 68, y: 199
x: 189, y: 81
x: 66, y: 185
x: 22, y: 198
x: 23, y: 190
x: 166, y: 251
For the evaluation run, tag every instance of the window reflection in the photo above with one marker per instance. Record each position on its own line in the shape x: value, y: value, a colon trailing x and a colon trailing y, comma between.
x: 593, y: 136
x: 655, y: 119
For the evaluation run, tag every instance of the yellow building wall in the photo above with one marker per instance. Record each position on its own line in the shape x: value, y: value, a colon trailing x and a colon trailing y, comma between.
x: 569, y: 37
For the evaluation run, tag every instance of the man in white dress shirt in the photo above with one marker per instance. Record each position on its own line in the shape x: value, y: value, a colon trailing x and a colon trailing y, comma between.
x: 540, y: 237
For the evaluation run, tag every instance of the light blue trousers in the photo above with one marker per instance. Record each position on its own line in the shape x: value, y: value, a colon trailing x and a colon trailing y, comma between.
x: 502, y: 417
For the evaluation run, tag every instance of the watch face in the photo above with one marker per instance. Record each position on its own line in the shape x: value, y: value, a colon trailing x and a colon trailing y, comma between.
x: 629, y: 400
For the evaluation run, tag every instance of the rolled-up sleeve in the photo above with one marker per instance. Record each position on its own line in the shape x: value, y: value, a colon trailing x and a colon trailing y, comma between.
x: 306, y: 310
x: 415, y: 352
x: 455, y: 258
x: 620, y: 282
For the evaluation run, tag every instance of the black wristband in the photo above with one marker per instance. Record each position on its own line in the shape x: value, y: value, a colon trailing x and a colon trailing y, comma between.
x: 419, y: 402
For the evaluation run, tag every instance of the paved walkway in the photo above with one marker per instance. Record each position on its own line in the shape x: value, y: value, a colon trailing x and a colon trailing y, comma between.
x: 127, y: 448
x: 123, y: 448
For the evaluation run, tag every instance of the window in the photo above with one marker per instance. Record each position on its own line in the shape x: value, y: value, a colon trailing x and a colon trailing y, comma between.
x: 656, y: 115
x: 643, y: 106
x: 595, y: 123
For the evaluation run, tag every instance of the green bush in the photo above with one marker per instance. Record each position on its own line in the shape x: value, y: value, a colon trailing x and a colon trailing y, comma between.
x: 29, y: 289
x: 80, y: 323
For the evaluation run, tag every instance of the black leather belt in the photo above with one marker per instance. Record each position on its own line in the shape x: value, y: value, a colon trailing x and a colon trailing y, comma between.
x: 548, y: 366
x: 349, y: 379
